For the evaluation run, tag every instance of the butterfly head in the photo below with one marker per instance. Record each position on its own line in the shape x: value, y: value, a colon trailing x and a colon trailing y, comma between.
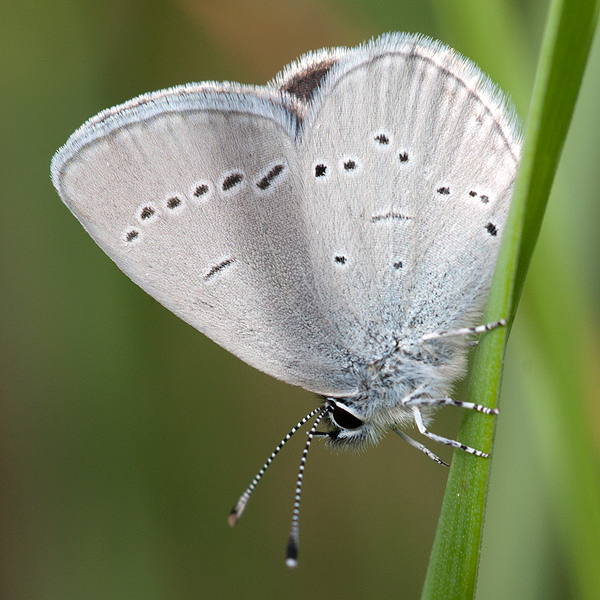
x: 348, y: 427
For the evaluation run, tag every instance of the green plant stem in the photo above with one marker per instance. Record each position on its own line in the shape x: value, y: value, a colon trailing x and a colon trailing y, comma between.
x: 567, y: 39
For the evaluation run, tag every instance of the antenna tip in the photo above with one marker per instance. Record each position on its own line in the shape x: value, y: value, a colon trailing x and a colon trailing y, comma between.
x: 291, y: 559
x: 233, y: 518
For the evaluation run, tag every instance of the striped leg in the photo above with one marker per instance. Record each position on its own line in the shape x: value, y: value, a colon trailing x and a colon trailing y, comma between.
x: 411, y: 401
x: 463, y: 331
x: 420, y: 447
x: 442, y: 440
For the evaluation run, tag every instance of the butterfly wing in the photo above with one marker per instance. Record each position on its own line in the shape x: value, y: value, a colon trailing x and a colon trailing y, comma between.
x: 410, y: 155
x: 194, y: 192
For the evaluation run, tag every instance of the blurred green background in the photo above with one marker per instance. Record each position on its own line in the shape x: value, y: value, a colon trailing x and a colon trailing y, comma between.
x: 126, y: 436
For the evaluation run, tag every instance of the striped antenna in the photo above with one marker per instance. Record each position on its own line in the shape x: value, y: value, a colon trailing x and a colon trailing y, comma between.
x: 238, y: 509
x: 291, y: 559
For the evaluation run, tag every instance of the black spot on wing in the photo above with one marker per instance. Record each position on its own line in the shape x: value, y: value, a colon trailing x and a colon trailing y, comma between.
x: 389, y: 216
x: 491, y: 229
x: 131, y: 235
x: 231, y: 181
x: 201, y: 190
x: 147, y: 213
x: 266, y: 181
x: 218, y: 268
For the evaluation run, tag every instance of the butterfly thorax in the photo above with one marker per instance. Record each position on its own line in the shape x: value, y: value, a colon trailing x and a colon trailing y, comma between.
x: 389, y: 387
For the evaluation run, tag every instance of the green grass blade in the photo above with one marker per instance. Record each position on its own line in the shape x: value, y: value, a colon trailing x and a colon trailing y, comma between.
x: 569, y: 31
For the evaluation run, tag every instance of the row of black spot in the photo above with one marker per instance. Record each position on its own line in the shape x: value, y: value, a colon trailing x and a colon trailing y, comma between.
x: 235, y: 179
x: 147, y: 212
x: 342, y: 260
x: 230, y: 182
x: 444, y: 191
x: 350, y: 165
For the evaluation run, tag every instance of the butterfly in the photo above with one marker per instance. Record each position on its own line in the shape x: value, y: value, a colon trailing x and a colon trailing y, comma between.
x: 337, y: 228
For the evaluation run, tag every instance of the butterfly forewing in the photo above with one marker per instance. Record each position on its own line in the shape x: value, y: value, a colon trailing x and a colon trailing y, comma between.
x: 226, y: 185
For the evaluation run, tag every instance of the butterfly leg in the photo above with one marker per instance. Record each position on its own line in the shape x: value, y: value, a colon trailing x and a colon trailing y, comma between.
x: 463, y: 331
x: 411, y: 401
x: 442, y: 440
x: 420, y: 447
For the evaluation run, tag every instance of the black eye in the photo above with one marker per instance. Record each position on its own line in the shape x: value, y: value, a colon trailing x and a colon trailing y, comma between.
x: 344, y: 419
